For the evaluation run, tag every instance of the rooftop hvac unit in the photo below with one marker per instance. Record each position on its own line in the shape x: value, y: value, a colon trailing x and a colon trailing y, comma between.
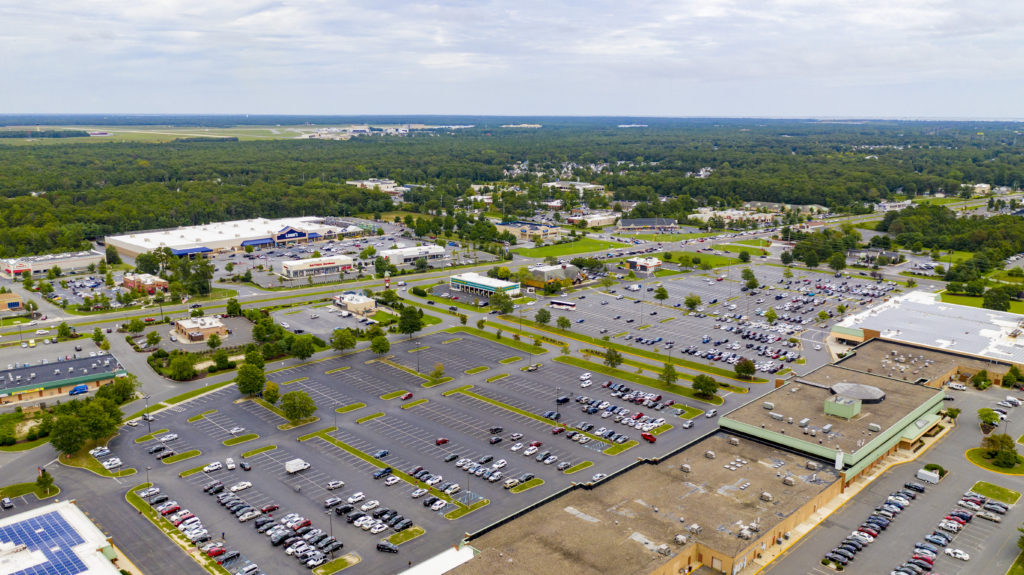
x: 769, y: 405
x: 709, y: 454
x: 663, y: 549
x: 813, y: 433
x: 695, y: 528
x: 734, y: 441
x: 789, y: 420
x: 788, y: 480
x: 685, y: 467
x: 744, y: 534
x: 805, y: 421
x: 776, y: 416
x: 806, y: 431
x: 765, y: 496
x: 827, y: 428
x: 874, y: 427
x: 679, y: 539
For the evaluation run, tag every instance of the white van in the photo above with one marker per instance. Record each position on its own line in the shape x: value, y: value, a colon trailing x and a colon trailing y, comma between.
x: 230, y: 463
x: 711, y: 413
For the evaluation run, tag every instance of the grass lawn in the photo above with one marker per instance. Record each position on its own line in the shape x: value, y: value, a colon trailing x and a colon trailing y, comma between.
x: 510, y: 359
x: 394, y: 394
x: 149, y: 436
x: 196, y: 418
x: 1018, y: 566
x: 666, y: 237
x: 414, y: 403
x: 754, y: 252
x: 494, y: 378
x: 258, y: 450
x: 241, y: 439
x: 25, y: 445
x: 348, y: 408
x: 975, y: 301
x: 977, y: 457
x: 369, y: 417
x: 996, y: 492
x: 578, y: 467
x: 580, y: 246
x: 182, y: 456
x: 477, y: 369
x: 756, y: 243
x: 713, y: 260
x: 8, y: 423
x: 638, y: 379
x: 406, y: 535
x: 665, y: 273
x: 384, y: 317
x: 620, y: 447
x: 689, y: 412
x: 85, y: 461
x: 343, y: 562
x: 19, y: 489
x: 535, y: 482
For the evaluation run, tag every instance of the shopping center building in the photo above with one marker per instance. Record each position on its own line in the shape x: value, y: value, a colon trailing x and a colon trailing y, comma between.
x: 69, y: 263
x: 315, y: 266
x: 58, y: 538
x: 408, y: 255
x: 476, y: 284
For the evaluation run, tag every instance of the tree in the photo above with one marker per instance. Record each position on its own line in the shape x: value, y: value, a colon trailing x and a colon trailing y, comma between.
x: 542, y: 316
x: 68, y: 434
x: 981, y: 380
x: 97, y: 420
x: 771, y: 315
x: 220, y: 359
x: 112, y: 256
x: 787, y: 273
x: 135, y: 326
x: 297, y: 405
x: 343, y: 339
x: 271, y: 393
x: 97, y: 336
x: 438, y: 371
x: 811, y: 260
x: 705, y: 385
x: 233, y: 307
x: 838, y: 261
x: 254, y: 357
x: 213, y: 341
x: 181, y: 368
x: 302, y: 347
x: 661, y: 294
x: 822, y: 315
x: 786, y: 257
x: 612, y: 358
x: 380, y: 345
x: 988, y: 416
x: 64, y: 330
x: 563, y: 322
x: 501, y: 302
x: 121, y: 390
x: 953, y: 413
x: 480, y: 323
x: 745, y: 369
x: 152, y: 339
x: 409, y: 321
x: 998, y: 298
x: 668, y: 375
x: 692, y: 301
x: 998, y: 442
x: 607, y: 282
x: 251, y: 379
x: 752, y: 283
x: 44, y: 481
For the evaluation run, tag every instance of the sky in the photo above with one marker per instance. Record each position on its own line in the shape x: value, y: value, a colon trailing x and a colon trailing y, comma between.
x: 765, y: 58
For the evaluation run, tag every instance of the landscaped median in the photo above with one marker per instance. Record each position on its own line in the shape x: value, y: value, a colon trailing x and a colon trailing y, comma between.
x: 325, y: 434
x: 394, y: 394
x: 192, y: 471
x: 507, y: 341
x: 241, y: 439
x: 638, y: 379
x: 512, y: 359
x: 996, y: 492
x: 476, y: 370
x: 278, y: 411
x: 494, y: 378
x: 339, y: 564
x: 620, y: 447
x: 578, y: 467
x: 414, y: 403
x: 348, y: 408
x: 196, y: 418
x: 978, y: 456
x: 85, y: 461
x: 258, y: 450
x: 689, y: 412
x: 369, y: 417
x: 406, y: 535
x: 337, y: 370
x: 19, y: 489
x: 297, y: 380
x: 149, y: 436
x: 181, y: 456
x: 535, y: 482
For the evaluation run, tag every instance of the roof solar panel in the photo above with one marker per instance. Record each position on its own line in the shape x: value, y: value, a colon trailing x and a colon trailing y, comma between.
x: 44, y: 533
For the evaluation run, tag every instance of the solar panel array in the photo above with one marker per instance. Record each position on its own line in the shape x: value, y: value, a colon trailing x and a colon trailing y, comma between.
x: 50, y: 534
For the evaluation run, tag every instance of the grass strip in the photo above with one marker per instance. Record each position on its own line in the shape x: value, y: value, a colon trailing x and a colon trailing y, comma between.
x: 638, y: 379
x: 689, y: 412
x: 494, y: 378
x: 661, y: 429
x: 161, y: 523
x: 348, y: 408
x: 578, y: 467
x: 19, y: 489
x: 407, y: 535
x: 535, y: 482
x: 414, y: 403
x: 196, y: 418
x: 619, y: 448
x: 421, y: 348
x: 394, y: 394
x: 476, y: 370
x: 149, y: 436
x: 337, y: 370
x: 339, y: 564
x: 452, y: 340
x: 369, y: 417
x: 195, y: 392
x: 258, y: 450
x: 436, y: 382
x: 667, y: 319
x: 510, y: 359
x: 457, y: 390
x: 241, y: 439
x: 517, y: 345
x: 463, y: 510
x: 192, y: 471
x: 399, y: 366
x: 294, y: 381
x: 182, y: 456
x: 996, y: 492
x: 299, y: 423
x: 525, y: 413
x: 25, y: 445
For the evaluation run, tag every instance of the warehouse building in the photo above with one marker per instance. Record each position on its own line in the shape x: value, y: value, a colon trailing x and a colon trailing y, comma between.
x: 594, y: 220
x: 44, y: 379
x: 231, y: 236
x: 199, y: 329
x: 400, y: 256
x: 476, y: 284
x: 316, y: 266
x: 69, y: 263
x: 561, y: 274
x: 55, y: 539
x: 148, y: 283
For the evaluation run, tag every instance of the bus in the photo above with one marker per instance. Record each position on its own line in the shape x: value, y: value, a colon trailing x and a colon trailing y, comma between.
x: 559, y: 304
x: 78, y: 389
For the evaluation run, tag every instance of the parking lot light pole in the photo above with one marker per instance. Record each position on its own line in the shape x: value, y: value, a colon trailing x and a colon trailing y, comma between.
x: 147, y: 473
x: 149, y: 424
x: 558, y: 392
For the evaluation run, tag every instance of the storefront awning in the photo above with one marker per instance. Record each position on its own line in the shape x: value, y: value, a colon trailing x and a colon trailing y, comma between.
x: 190, y: 251
x: 259, y: 242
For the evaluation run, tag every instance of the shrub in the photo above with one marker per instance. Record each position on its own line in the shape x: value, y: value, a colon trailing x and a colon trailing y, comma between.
x: 937, y: 468
x: 32, y: 435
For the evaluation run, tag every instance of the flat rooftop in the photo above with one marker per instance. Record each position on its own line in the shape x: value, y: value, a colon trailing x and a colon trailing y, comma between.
x: 47, y: 371
x: 617, y: 526
x: 483, y: 280
x: 804, y: 397
x: 57, y: 538
x: 921, y: 317
x: 886, y: 357
x: 54, y: 258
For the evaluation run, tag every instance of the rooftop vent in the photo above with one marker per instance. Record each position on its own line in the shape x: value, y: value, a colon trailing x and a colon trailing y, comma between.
x: 709, y: 454
x: 765, y: 496
x: 874, y: 427
x: 776, y: 416
x: 769, y: 405
x: 685, y: 467
x: 734, y: 441
x: 788, y: 480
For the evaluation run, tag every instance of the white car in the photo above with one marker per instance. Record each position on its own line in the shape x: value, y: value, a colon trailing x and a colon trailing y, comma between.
x: 817, y: 347
x: 241, y: 486
x: 531, y: 450
x: 391, y: 480
x: 236, y: 430
x: 364, y: 520
x: 357, y: 497
x: 585, y: 376
x: 378, y: 527
x: 419, y: 493
x: 516, y: 447
x: 499, y: 464
x: 215, y: 466
x: 168, y: 437
x: 435, y: 480
x: 112, y: 463
x: 598, y: 476
x: 586, y: 383
x: 550, y: 459
x: 371, y: 504
x: 332, y: 485
x: 438, y: 505
x: 958, y: 554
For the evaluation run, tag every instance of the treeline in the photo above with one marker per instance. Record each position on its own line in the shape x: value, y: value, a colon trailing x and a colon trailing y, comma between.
x: 38, y: 134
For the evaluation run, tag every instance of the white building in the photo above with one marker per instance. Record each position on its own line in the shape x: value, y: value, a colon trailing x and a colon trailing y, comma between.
x: 474, y: 283
x: 705, y: 214
x: 54, y: 538
x: 411, y: 254
x: 646, y: 265
x: 389, y: 187
x: 355, y: 303
x: 227, y: 236
x: 887, y: 206
x: 72, y: 262
x: 595, y: 220
x: 316, y: 266
x: 579, y: 187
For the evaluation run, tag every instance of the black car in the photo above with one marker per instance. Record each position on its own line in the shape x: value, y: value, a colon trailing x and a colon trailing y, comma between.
x: 495, y: 439
x: 840, y: 551
x: 386, y: 547
x: 395, y: 520
x: 451, y: 457
x: 429, y: 501
x: 485, y: 459
x: 245, y: 466
x: 229, y: 556
x: 914, y: 486
x: 352, y: 517
x: 343, y: 509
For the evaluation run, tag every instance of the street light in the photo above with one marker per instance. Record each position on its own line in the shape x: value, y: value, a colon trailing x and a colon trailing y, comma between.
x: 149, y: 423
x: 147, y: 473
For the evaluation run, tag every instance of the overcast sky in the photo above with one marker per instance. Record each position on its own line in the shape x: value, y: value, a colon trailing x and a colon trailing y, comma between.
x: 789, y: 58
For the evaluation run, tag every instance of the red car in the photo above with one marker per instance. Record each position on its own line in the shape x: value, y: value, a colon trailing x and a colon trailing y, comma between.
x: 406, y: 396
x: 441, y: 441
x: 959, y: 520
x: 650, y: 438
x: 301, y: 524
x: 216, y: 551
x: 149, y: 319
x: 269, y: 508
x: 925, y: 558
x: 536, y: 443
x: 638, y: 415
x: 171, y: 509
x: 182, y: 519
x: 557, y: 430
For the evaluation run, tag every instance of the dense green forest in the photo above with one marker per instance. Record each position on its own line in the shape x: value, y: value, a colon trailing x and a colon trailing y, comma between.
x: 55, y: 197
